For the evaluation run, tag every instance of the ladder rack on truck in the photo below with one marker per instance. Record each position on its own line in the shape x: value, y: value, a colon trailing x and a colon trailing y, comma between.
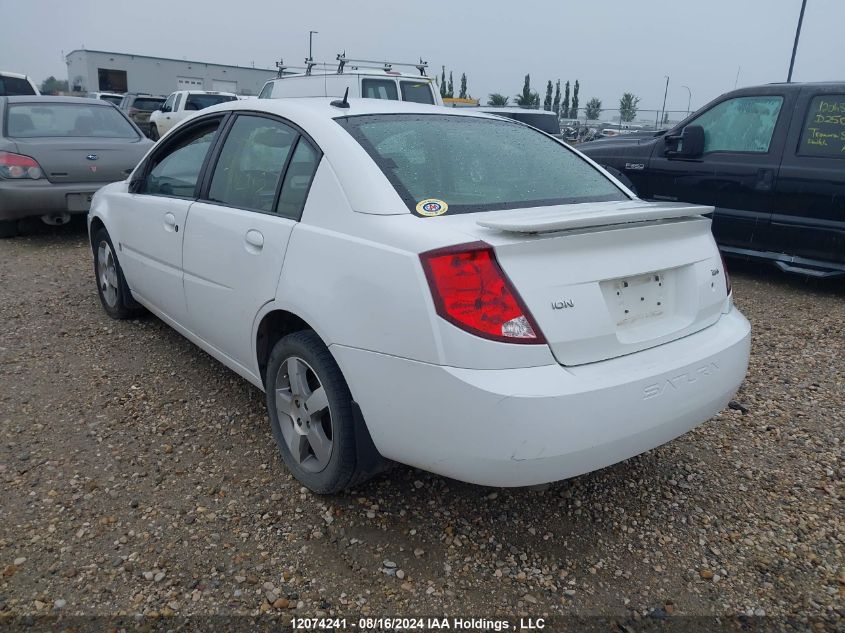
x: 354, y: 64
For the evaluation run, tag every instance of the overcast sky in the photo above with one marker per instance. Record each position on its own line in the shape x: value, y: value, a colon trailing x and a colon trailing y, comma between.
x: 611, y: 47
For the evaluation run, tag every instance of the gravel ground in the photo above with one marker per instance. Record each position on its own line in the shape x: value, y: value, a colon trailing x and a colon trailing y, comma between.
x: 140, y: 476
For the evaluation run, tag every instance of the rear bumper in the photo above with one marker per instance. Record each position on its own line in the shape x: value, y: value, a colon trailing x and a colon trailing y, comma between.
x: 518, y: 427
x: 23, y: 199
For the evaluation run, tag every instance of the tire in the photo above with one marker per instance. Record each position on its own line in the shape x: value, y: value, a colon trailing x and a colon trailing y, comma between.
x: 154, y: 133
x: 114, y: 294
x: 8, y: 228
x: 322, y: 447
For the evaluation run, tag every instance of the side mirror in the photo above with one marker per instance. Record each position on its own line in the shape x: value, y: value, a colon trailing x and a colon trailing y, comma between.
x: 687, y: 144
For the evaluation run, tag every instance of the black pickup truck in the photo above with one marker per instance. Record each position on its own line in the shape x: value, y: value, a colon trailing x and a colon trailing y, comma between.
x: 770, y: 159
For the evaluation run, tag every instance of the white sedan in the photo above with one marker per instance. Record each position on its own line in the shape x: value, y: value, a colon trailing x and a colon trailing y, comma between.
x: 438, y: 287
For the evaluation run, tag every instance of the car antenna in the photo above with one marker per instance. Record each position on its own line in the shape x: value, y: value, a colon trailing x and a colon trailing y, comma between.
x: 342, y: 103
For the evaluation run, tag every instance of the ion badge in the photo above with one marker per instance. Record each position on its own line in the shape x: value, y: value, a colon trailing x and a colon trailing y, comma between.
x: 431, y: 207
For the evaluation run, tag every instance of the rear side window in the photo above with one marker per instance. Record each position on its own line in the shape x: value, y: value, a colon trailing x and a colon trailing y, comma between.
x: 298, y: 179
x: 251, y: 163
x: 743, y: 124
x: 199, y: 102
x: 146, y: 104
x: 379, y: 89
x: 11, y: 86
x: 175, y: 171
x: 43, y: 120
x: 823, y: 133
x: 475, y: 164
x: 417, y: 92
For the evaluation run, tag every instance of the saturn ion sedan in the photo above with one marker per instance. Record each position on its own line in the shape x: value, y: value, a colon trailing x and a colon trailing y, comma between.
x: 442, y: 288
x: 55, y: 152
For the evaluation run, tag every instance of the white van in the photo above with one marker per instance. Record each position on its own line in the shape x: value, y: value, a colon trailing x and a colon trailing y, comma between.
x: 367, y: 79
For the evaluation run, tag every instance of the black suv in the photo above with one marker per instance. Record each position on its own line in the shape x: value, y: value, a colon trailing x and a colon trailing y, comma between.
x: 770, y: 159
x: 139, y: 107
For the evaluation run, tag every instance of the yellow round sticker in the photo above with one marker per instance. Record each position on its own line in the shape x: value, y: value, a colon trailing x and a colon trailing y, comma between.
x: 431, y: 207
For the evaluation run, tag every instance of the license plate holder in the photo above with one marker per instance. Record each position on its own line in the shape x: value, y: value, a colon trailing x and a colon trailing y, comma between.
x: 639, y: 298
x: 79, y: 201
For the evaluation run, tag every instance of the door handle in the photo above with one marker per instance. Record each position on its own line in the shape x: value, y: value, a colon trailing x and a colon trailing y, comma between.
x: 170, y: 222
x: 254, y: 240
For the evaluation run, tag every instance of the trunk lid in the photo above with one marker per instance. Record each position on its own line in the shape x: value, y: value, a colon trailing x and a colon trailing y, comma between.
x: 607, y: 279
x: 71, y: 160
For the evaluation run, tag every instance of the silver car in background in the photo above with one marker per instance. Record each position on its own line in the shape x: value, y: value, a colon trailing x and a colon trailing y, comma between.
x: 56, y: 152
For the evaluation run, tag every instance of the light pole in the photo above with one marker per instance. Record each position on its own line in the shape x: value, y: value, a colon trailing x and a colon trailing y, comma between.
x: 665, y: 92
x: 689, y: 101
x: 795, y: 45
x: 310, y: 40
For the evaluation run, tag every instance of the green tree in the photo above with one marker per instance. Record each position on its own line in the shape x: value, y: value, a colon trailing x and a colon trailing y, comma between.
x: 547, y: 102
x: 556, y: 101
x: 497, y: 99
x: 564, y: 108
x: 450, y: 91
x: 628, y: 107
x: 573, y: 112
x: 463, y: 93
x: 443, y: 82
x: 593, y: 108
x: 53, y: 86
x: 528, y: 98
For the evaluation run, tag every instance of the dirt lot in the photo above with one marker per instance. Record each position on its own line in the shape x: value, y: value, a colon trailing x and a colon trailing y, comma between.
x: 140, y: 476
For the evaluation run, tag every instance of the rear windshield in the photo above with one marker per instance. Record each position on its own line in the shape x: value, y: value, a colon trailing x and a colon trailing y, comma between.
x: 474, y: 164
x: 199, y: 102
x: 147, y: 103
x: 115, y: 99
x: 11, y: 86
x: 36, y: 120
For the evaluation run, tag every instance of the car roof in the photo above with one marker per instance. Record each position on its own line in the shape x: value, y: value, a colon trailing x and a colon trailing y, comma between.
x: 6, y: 73
x: 314, y: 110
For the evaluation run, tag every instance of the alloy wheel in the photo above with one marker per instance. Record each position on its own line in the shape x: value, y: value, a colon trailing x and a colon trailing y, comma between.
x: 107, y: 273
x: 304, y: 414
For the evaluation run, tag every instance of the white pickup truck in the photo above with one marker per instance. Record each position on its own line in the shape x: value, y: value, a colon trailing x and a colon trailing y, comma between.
x: 182, y: 104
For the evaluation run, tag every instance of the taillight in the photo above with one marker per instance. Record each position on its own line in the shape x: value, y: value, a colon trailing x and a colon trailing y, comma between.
x: 471, y: 291
x: 19, y: 166
x: 725, y: 270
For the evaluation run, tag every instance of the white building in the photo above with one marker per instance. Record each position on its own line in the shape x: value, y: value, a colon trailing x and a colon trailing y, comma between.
x: 93, y: 71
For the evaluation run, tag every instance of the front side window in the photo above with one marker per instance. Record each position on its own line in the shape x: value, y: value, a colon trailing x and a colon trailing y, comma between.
x: 176, y: 170
x: 251, y: 163
x: 476, y: 164
x: 743, y: 124
x: 200, y: 102
x: 177, y: 102
x: 823, y: 133
x: 168, y: 105
x: 56, y: 120
x: 417, y: 92
x: 298, y: 179
x: 379, y: 89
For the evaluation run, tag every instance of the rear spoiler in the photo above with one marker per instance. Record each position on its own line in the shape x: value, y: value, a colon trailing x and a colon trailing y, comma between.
x: 588, y: 215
